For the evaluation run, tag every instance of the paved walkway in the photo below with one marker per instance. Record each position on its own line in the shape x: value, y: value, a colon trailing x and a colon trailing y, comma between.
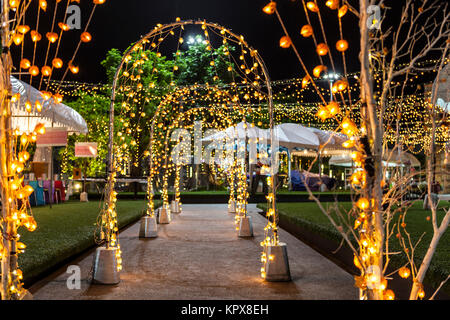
x: 199, y: 256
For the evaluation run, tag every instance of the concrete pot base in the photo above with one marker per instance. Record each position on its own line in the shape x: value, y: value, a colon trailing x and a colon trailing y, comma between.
x: 164, y: 215
x: 149, y: 228
x: 105, y: 266
x: 245, y: 227
x: 277, y: 264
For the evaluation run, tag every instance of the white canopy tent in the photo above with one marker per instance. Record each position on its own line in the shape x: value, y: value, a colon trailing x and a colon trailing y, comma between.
x: 53, y: 114
x: 289, y: 135
x: 293, y: 135
x: 390, y: 159
x: 329, y: 140
x: 240, y: 131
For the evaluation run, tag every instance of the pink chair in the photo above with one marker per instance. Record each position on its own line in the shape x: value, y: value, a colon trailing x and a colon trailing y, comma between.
x: 47, y: 187
x: 56, y: 196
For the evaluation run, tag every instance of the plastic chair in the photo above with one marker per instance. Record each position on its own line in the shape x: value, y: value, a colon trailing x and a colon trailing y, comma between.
x: 59, y: 188
x: 37, y: 198
x: 47, y: 187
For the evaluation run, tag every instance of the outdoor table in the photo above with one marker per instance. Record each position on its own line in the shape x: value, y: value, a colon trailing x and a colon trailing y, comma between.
x: 41, y: 194
x: 37, y: 197
x: 438, y: 197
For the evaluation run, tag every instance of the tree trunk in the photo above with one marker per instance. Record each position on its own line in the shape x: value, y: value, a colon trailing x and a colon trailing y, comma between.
x: 428, y: 256
x: 5, y: 148
x: 372, y: 141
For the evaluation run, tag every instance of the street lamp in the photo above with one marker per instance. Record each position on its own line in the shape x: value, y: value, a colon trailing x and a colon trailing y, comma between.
x: 331, y: 76
x: 196, y: 39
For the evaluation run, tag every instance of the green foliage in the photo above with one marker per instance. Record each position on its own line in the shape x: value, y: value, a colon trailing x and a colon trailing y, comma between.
x: 111, y: 62
x: 94, y: 108
x: 149, y: 76
x: 195, y: 65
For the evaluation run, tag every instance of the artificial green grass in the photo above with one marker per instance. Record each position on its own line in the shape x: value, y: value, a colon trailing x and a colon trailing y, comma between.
x: 66, y: 230
x: 309, y: 216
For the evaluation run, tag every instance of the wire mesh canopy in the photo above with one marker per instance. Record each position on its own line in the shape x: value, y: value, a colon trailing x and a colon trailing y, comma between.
x: 53, y: 114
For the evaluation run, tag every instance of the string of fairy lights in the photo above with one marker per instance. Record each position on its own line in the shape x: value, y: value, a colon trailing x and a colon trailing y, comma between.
x: 17, y: 34
x: 406, y: 120
x: 414, y: 125
x: 146, y: 109
x: 133, y: 93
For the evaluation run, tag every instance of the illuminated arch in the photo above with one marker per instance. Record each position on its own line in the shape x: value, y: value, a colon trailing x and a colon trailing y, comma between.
x: 261, y: 85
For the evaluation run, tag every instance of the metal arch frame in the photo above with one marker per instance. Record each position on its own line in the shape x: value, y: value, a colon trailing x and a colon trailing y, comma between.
x: 161, y: 29
x: 152, y: 128
x: 166, y: 140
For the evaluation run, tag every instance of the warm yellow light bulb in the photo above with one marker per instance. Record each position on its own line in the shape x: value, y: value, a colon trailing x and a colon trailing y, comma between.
x: 348, y: 144
x: 322, y: 49
x: 306, y: 31
x: 57, y: 63
x: 28, y: 106
x: 86, y: 37
x: 17, y: 39
x: 317, y: 71
x: 404, y: 272
x: 270, y: 7
x: 333, y: 108
x: 312, y: 6
x: 332, y: 4
x: 342, y: 45
x: 35, y: 36
x: 285, y: 42
x: 23, y: 29
x: 46, y: 71
x: 363, y: 203
x: 52, y: 36
x: 38, y: 106
x: 389, y: 295
x: 25, y: 63
x: 342, y: 11
x: 43, y: 4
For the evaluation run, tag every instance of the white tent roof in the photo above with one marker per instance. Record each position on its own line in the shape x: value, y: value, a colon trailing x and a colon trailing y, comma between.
x: 390, y: 159
x: 52, y: 114
x: 330, y: 140
x: 325, y: 152
x: 239, y: 131
x: 291, y: 135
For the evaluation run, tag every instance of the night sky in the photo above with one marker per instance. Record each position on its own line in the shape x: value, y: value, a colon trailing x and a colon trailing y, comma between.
x: 117, y: 24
